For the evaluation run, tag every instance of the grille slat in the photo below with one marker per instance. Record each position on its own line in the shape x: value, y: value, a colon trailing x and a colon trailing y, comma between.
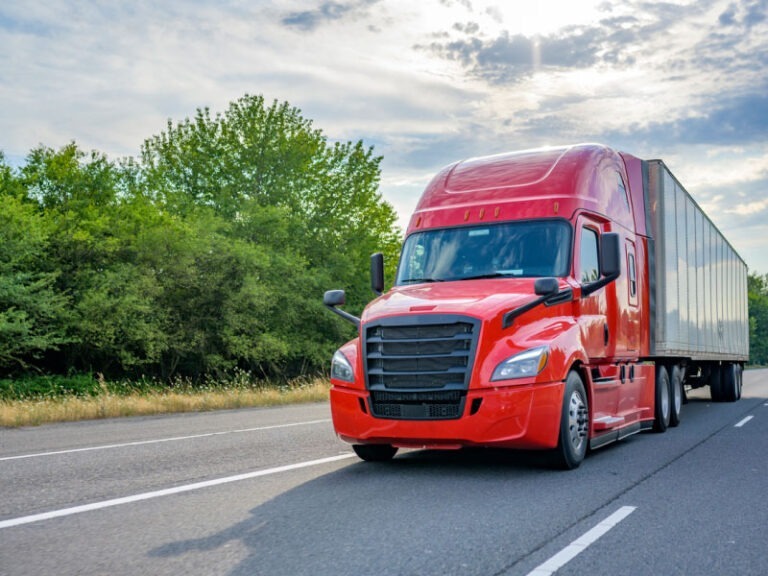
x: 417, y: 381
x: 418, y: 368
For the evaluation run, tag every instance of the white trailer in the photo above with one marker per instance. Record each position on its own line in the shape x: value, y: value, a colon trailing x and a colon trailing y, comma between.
x: 698, y: 289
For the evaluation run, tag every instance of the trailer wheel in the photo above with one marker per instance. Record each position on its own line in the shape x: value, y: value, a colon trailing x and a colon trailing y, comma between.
x: 716, y: 390
x: 675, y: 395
x: 375, y: 452
x: 574, y: 425
x: 730, y: 383
x: 663, y: 404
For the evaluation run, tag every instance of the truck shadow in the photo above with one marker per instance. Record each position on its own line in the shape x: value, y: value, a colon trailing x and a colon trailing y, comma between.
x: 383, y: 518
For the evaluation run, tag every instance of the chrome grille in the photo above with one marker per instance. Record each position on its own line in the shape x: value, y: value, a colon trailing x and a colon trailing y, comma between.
x: 418, y: 368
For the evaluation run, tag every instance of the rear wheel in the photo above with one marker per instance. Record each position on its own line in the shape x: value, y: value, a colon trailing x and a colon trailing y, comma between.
x: 675, y: 395
x: 574, y: 425
x: 730, y: 382
x: 716, y: 390
x: 663, y: 409
x: 375, y: 452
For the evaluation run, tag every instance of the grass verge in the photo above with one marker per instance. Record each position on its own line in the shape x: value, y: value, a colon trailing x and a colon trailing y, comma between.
x: 113, y: 402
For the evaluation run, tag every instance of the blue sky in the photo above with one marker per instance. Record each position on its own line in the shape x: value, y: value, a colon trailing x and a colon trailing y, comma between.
x: 426, y: 83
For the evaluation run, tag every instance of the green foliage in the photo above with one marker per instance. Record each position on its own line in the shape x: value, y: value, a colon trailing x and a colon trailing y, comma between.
x: 33, y: 313
x: 296, y: 214
x: 758, y: 318
x: 207, y: 254
x: 48, y: 387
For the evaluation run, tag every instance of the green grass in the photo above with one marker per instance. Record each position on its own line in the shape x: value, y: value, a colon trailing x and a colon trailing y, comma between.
x: 48, y: 399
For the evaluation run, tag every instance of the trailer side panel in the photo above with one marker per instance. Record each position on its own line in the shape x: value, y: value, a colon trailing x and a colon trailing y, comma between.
x: 700, y: 280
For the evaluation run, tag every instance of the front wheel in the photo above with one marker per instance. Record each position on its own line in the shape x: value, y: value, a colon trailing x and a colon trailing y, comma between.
x: 375, y: 452
x: 574, y: 425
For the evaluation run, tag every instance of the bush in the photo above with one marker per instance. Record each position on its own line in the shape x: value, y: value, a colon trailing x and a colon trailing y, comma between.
x: 42, y: 387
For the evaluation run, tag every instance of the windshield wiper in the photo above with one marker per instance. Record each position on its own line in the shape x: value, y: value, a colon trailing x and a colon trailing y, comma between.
x: 418, y: 280
x: 481, y: 276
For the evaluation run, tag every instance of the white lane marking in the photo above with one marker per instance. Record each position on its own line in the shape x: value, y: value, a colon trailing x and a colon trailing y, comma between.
x: 166, y: 492
x: 742, y: 422
x: 580, y: 544
x: 159, y: 440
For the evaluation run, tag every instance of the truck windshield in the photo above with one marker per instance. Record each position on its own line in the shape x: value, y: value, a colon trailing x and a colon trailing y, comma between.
x: 525, y: 249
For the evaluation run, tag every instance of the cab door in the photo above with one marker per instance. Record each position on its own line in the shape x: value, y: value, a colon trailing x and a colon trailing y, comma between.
x: 595, y: 315
x: 594, y: 309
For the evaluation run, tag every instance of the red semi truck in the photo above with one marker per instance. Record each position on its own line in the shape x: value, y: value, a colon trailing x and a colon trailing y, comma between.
x: 558, y: 298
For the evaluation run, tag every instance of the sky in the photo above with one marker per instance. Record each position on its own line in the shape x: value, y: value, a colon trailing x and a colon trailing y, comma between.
x: 426, y: 82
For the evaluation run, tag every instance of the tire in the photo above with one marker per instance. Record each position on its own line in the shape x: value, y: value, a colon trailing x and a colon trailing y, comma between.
x: 676, y: 396
x: 574, y: 425
x: 716, y: 384
x: 663, y: 405
x: 730, y: 383
x: 375, y: 452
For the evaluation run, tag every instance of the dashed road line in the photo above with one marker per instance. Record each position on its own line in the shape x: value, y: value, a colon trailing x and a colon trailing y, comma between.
x: 743, y: 421
x: 580, y: 544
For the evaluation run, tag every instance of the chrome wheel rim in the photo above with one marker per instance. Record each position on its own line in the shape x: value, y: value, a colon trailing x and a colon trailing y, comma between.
x: 577, y: 421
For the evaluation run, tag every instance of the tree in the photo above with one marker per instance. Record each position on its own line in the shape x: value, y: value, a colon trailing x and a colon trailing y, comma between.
x: 211, y: 251
x: 757, y: 287
x: 32, y: 312
x: 112, y: 324
x: 309, y: 211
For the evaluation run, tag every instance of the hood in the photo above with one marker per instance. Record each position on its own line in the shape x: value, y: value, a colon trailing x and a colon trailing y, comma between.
x: 483, y: 299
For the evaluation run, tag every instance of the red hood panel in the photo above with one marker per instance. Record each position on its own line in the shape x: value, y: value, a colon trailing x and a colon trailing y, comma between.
x: 482, y: 299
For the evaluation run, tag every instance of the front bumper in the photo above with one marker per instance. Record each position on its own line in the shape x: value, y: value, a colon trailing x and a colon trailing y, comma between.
x: 521, y: 416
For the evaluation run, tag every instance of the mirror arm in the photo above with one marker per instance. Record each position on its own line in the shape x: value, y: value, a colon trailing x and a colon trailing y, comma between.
x: 588, y: 289
x: 509, y: 317
x: 346, y: 315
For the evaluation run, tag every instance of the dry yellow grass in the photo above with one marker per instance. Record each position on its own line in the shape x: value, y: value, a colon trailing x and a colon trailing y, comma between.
x: 36, y: 412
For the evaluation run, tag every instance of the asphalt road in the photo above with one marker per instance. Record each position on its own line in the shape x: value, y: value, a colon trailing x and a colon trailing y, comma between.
x: 272, y: 491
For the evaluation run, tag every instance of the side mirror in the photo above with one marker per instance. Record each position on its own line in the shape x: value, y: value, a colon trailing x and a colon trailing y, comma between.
x: 377, y: 273
x: 610, y: 254
x: 334, y: 298
x: 610, y: 263
x: 546, y: 286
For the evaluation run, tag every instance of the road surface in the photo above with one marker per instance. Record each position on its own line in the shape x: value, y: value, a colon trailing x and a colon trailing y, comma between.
x: 273, y: 492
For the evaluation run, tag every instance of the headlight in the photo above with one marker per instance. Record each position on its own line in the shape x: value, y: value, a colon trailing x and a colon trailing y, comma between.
x: 522, y: 365
x: 341, y: 369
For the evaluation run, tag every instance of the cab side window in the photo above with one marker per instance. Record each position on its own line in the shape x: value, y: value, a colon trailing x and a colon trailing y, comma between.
x: 588, y: 257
